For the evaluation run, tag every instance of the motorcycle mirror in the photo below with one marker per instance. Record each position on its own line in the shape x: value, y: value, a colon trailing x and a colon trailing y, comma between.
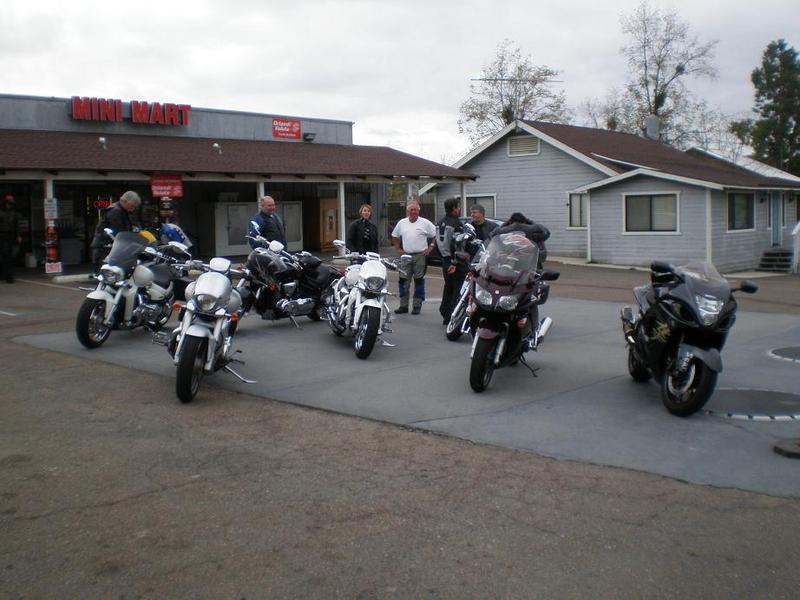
x: 548, y: 275
x: 747, y: 286
x: 254, y: 224
x: 658, y: 266
x: 276, y: 246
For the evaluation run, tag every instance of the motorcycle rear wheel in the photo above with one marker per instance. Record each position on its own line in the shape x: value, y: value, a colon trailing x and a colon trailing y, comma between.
x: 454, y: 325
x: 190, y: 368
x: 367, y: 331
x: 684, y: 398
x: 639, y: 372
x: 89, y: 326
x: 482, y: 366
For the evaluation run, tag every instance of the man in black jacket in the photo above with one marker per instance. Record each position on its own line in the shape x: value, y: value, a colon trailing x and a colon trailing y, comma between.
x: 535, y: 232
x: 117, y: 218
x: 362, y: 235
x: 453, y: 272
x: 483, y: 228
x: 267, y: 224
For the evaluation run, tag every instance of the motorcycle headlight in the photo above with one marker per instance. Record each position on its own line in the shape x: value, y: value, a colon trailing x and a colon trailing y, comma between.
x: 206, y: 302
x: 111, y: 274
x: 508, y: 302
x: 709, y: 308
x: 482, y: 296
x: 374, y: 284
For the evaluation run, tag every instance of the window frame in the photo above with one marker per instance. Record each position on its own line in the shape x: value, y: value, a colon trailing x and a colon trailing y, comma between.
x: 752, y: 212
x: 583, y: 212
x: 512, y: 137
x: 675, y: 193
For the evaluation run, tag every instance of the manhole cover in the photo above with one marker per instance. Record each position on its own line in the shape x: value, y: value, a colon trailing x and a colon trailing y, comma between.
x: 755, y: 405
x: 791, y: 354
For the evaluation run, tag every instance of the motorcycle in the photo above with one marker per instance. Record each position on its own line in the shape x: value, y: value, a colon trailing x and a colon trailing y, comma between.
x: 202, y: 342
x: 678, y: 329
x: 284, y: 285
x: 469, y: 250
x: 356, y: 301
x: 135, y: 288
x: 504, y: 311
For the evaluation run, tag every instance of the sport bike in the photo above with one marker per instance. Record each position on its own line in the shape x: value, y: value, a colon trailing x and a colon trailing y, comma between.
x: 678, y: 329
x: 135, y: 288
x: 505, y: 308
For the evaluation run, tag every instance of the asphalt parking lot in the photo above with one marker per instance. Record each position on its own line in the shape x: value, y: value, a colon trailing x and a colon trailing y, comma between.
x: 111, y: 487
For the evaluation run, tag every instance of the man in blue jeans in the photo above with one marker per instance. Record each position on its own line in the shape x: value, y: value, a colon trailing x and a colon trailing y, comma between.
x: 413, y: 235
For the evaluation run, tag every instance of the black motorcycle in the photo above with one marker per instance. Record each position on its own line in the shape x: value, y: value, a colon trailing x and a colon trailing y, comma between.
x: 283, y: 285
x: 506, y: 296
x: 676, y: 335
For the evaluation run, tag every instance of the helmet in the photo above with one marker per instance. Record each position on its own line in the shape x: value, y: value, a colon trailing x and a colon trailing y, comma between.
x: 148, y: 236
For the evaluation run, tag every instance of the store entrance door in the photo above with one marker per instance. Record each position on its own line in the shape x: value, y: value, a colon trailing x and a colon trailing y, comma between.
x: 231, y: 220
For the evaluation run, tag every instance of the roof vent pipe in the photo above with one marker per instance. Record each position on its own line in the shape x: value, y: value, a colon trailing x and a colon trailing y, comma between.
x: 651, y: 127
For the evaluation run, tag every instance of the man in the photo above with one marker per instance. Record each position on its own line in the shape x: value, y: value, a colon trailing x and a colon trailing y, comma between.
x: 535, y: 232
x: 267, y: 224
x: 9, y: 236
x: 362, y: 235
x: 453, y: 272
x: 483, y: 228
x: 413, y: 235
x: 117, y: 218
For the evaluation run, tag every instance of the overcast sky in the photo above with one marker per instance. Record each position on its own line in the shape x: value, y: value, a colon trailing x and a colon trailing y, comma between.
x: 398, y: 69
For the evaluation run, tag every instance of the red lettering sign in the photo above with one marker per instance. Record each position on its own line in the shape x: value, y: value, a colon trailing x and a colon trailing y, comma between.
x: 99, y: 204
x: 166, y: 184
x: 145, y: 113
x: 286, y: 129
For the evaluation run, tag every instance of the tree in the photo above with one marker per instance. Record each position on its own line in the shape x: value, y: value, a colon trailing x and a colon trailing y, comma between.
x: 662, y: 53
x: 510, y: 87
x: 775, y: 137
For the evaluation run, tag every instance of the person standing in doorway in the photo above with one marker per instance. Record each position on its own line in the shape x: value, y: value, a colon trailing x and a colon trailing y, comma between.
x: 117, y: 218
x: 267, y: 224
x: 413, y: 235
x: 362, y: 235
x: 9, y: 237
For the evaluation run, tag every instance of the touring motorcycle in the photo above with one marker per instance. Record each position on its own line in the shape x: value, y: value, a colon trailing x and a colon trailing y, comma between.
x: 677, y: 331
x: 356, y: 301
x: 285, y: 285
x: 135, y: 288
x: 202, y: 343
x: 504, y: 312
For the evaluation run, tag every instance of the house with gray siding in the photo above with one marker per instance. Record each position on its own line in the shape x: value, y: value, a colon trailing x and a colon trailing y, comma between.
x: 622, y: 199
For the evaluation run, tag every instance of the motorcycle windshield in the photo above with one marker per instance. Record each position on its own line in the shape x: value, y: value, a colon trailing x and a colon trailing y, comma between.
x: 125, y: 250
x: 703, y: 278
x: 510, y: 260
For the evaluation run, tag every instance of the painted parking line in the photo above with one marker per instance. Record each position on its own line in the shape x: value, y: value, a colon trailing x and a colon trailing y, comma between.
x: 63, y: 287
x: 8, y: 314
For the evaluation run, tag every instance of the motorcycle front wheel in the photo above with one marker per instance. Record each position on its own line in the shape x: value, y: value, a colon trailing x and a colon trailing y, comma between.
x: 482, y: 366
x: 89, y: 325
x: 684, y: 396
x: 455, y: 324
x: 367, y: 331
x: 190, y: 368
x: 638, y: 370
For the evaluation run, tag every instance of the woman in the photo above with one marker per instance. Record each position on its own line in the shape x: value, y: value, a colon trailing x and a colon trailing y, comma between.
x: 362, y: 235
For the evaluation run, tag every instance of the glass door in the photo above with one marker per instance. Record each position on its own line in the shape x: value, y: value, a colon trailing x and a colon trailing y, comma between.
x: 231, y: 220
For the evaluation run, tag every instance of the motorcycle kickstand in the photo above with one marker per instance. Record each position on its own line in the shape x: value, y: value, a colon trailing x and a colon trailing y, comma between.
x: 228, y: 369
x: 527, y: 366
x: 385, y: 343
x: 294, y: 321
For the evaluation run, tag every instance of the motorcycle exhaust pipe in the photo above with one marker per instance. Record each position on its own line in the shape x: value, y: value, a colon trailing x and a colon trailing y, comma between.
x: 547, y: 323
x: 300, y: 307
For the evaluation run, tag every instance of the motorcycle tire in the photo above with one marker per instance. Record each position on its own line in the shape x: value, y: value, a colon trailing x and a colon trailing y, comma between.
x: 367, y: 331
x: 639, y: 372
x: 482, y: 366
x: 190, y: 368
x: 89, y: 324
x: 686, y: 399
x: 454, y: 325
x: 317, y: 311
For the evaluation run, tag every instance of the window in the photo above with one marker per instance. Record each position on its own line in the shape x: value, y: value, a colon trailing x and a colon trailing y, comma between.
x: 487, y: 201
x: 578, y: 204
x: 523, y: 145
x: 741, y: 211
x: 651, y: 212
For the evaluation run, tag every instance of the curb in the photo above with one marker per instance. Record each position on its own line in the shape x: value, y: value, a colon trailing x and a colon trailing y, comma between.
x: 72, y: 278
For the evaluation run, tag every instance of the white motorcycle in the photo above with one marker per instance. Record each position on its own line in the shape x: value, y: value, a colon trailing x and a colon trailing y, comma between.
x: 135, y: 288
x: 357, y: 300
x: 202, y: 342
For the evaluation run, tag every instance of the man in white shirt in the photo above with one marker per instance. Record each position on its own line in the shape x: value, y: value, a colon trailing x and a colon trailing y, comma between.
x: 413, y: 235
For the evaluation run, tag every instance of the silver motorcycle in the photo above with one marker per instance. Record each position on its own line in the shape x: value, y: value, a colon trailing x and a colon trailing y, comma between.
x: 202, y: 343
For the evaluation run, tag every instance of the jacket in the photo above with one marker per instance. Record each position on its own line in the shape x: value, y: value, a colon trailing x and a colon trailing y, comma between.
x: 360, y: 241
x: 268, y: 226
x: 445, y: 231
x: 116, y: 219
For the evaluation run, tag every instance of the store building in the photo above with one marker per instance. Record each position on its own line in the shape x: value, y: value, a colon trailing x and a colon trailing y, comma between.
x: 215, y: 164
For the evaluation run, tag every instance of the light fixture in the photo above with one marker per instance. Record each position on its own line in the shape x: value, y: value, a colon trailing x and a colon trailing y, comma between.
x: 309, y: 136
x: 217, y: 147
x: 103, y: 142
